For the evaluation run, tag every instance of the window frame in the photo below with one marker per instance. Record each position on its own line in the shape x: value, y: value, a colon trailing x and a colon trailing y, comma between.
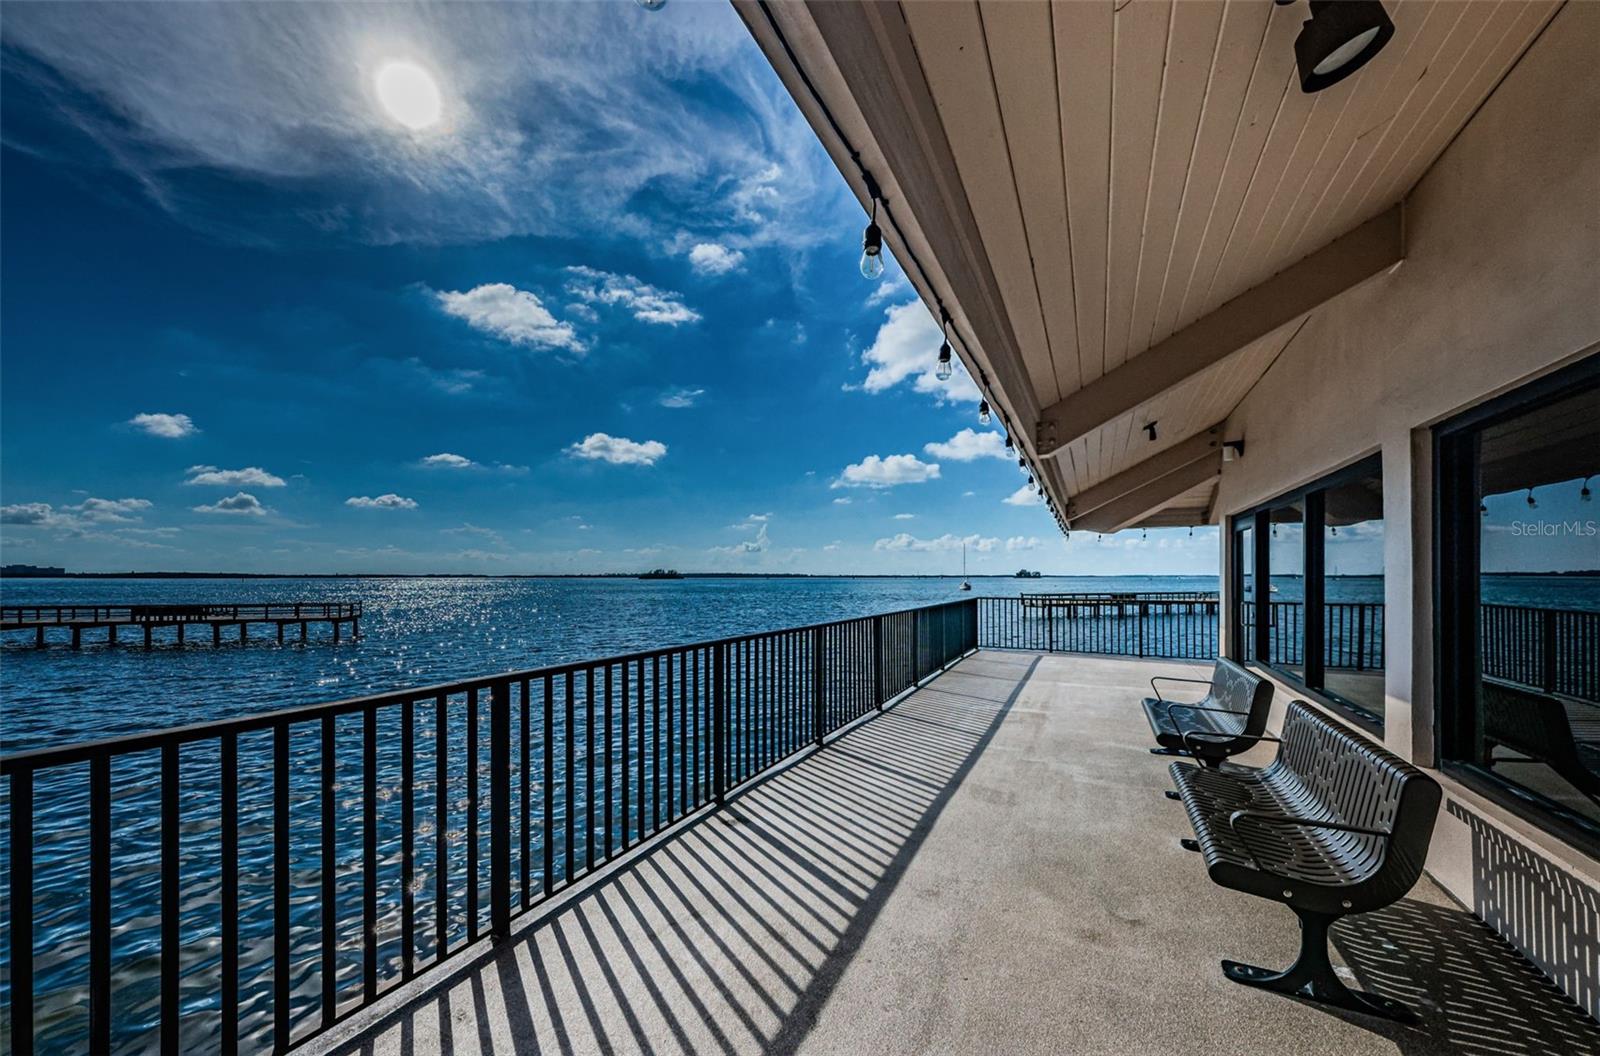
x: 1457, y: 570
x: 1313, y: 563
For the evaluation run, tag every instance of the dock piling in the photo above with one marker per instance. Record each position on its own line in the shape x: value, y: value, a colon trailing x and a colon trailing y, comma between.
x: 343, y: 617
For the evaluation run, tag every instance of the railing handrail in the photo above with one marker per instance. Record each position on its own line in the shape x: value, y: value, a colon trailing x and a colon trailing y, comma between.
x: 46, y: 758
x: 267, y: 609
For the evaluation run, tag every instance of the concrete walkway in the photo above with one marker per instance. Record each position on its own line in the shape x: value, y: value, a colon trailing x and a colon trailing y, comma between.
x: 989, y: 867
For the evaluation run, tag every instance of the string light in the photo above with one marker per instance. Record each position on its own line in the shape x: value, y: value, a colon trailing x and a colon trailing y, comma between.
x: 1585, y: 495
x: 872, y: 245
x: 1010, y: 444
x: 945, y: 367
x: 1533, y: 503
x: 983, y: 412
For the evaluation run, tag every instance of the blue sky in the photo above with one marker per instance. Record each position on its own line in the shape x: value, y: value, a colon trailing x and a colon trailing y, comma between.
x: 603, y: 315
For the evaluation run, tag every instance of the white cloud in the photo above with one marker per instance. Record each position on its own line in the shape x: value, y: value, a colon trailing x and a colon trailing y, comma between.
x: 713, y: 258
x: 968, y: 446
x: 169, y: 426
x: 241, y: 504
x: 888, y: 290
x: 101, y: 510
x: 617, y: 450
x: 1024, y: 542
x: 33, y: 513
x: 905, y: 516
x: 833, y: 546
x: 876, y: 472
x: 512, y: 315
x: 750, y: 546
x: 679, y: 398
x: 248, y: 477
x: 1023, y: 497
x: 907, y: 346
x: 842, y: 500
x: 390, y: 501
x: 647, y: 303
x: 906, y: 542
x: 447, y: 460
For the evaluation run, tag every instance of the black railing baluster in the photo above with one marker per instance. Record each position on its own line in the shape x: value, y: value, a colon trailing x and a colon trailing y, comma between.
x: 100, y: 903
x: 499, y: 809
x: 569, y: 784
x: 472, y: 814
x: 441, y: 827
x: 684, y: 768
x: 624, y: 773
x: 655, y: 743
x: 640, y: 806
x: 588, y: 763
x: 672, y: 770
x: 280, y: 887
x: 526, y: 717
x: 369, y: 853
x: 170, y: 901
x: 229, y: 794
x: 610, y: 803
x: 330, y: 863
x: 548, y: 833
x: 408, y: 850
x: 21, y: 924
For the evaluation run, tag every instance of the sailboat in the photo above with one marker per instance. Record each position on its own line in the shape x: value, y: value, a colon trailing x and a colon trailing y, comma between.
x: 964, y: 584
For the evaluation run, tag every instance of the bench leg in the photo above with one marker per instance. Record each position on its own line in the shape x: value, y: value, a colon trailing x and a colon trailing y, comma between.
x: 1189, y: 845
x: 1170, y: 794
x: 1312, y: 975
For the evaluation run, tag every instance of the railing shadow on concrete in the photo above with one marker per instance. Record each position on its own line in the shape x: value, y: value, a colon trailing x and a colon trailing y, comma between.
x: 730, y: 935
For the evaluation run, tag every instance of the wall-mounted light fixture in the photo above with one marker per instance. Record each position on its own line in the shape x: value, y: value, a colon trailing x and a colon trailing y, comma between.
x: 1150, y: 430
x: 1232, y: 450
x: 1339, y: 38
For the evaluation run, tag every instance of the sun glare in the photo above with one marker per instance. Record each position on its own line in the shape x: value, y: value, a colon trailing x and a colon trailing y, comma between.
x: 408, y: 92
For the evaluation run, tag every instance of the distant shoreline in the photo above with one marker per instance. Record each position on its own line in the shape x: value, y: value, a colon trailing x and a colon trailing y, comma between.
x: 1583, y: 573
x: 590, y: 575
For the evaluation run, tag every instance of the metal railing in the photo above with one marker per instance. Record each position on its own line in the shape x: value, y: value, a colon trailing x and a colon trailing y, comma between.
x: 263, y: 612
x: 1182, y: 627
x: 1556, y: 650
x: 1352, y: 633
x: 355, y: 843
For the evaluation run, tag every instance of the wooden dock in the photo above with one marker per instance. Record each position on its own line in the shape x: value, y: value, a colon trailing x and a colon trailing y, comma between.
x: 40, y: 619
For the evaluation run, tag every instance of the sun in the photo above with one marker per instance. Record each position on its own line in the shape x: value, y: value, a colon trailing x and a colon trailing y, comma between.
x: 409, y: 94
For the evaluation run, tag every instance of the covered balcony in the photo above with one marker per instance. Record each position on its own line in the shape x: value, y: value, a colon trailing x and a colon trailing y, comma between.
x: 990, y: 865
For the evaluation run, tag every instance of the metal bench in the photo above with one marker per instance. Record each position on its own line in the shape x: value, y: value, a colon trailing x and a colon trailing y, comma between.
x: 1228, y: 720
x: 1536, y: 725
x: 1335, y: 825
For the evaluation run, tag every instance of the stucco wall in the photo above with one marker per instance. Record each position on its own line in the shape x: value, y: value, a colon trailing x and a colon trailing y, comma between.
x: 1500, y: 284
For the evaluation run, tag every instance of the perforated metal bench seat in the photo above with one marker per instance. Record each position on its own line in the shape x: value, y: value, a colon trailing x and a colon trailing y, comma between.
x: 1228, y: 720
x: 1335, y: 825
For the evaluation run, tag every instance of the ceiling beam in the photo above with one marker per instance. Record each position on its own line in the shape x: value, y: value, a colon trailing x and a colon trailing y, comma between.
x: 1201, y: 444
x: 1343, y: 263
x: 1136, y: 505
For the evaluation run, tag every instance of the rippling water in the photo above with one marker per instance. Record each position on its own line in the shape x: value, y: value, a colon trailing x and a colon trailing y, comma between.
x: 414, y: 633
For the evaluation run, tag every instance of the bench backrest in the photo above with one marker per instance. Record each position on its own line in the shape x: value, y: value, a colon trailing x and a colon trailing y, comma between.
x: 1237, y: 689
x: 1345, y: 777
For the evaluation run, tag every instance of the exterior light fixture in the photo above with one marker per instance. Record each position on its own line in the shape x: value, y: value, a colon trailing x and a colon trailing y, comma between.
x: 1150, y: 429
x: 1030, y: 482
x: 983, y: 412
x: 945, y: 367
x: 1533, y: 503
x: 1585, y: 495
x: 1022, y: 463
x: 1339, y: 38
x: 872, y: 247
x: 1010, y: 444
x: 1232, y: 450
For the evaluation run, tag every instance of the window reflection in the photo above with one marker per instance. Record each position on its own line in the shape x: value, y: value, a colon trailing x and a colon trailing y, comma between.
x: 1352, y: 622
x: 1286, y: 557
x: 1538, y: 708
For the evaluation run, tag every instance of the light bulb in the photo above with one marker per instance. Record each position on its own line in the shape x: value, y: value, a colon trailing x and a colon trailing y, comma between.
x: 983, y: 414
x: 945, y: 367
x: 1010, y: 444
x: 1585, y: 495
x: 1532, y: 502
x: 872, y: 252
x: 1030, y: 483
x: 652, y: 5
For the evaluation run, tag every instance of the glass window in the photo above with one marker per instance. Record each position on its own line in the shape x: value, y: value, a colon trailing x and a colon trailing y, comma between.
x: 1352, y: 592
x: 1286, y: 558
x: 1321, y: 569
x: 1245, y: 622
x: 1522, y: 598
